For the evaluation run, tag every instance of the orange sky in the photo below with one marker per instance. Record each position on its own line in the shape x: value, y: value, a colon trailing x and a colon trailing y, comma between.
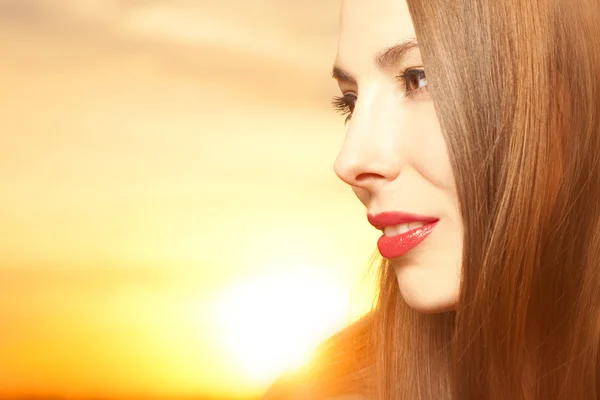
x: 166, y: 174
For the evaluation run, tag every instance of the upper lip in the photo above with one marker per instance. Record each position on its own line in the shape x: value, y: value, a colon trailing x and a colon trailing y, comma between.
x: 392, y: 218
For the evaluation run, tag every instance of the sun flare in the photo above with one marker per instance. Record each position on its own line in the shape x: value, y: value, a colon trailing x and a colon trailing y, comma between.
x: 271, y: 323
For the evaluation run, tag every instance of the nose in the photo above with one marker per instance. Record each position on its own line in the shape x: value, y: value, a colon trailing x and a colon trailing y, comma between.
x: 370, y: 155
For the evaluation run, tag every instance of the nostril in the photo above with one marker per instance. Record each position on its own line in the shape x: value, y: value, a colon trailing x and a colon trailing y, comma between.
x: 367, y: 176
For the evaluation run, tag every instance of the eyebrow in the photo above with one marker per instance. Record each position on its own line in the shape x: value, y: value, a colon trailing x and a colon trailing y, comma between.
x: 394, y: 54
x: 384, y: 59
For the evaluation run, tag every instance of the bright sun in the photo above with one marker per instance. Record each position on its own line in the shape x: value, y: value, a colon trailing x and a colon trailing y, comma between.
x: 271, y: 323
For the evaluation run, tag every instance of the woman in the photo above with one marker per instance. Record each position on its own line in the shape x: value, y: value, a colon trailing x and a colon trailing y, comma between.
x: 478, y: 123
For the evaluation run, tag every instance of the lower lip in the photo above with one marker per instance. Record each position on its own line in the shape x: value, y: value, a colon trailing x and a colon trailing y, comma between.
x: 396, y: 246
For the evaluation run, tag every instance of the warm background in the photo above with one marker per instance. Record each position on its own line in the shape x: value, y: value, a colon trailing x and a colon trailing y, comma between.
x: 170, y: 222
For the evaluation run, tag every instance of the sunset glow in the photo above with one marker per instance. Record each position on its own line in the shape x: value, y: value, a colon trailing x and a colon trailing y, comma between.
x: 271, y: 323
x: 171, y: 222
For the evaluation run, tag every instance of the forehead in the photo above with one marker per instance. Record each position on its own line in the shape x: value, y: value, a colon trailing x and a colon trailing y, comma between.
x: 368, y: 26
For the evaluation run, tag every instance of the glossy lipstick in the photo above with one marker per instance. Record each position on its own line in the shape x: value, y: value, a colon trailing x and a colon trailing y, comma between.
x: 398, y: 245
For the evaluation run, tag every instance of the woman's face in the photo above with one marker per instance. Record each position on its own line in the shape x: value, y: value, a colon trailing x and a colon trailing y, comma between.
x: 394, y: 155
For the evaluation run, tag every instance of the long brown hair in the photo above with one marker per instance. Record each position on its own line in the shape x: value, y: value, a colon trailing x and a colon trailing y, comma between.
x: 516, y: 86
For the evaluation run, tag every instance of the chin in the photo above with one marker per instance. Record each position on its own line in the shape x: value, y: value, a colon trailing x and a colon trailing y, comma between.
x: 429, y: 306
x: 428, y: 294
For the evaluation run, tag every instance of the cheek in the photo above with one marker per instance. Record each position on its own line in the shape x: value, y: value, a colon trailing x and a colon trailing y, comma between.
x: 432, y: 158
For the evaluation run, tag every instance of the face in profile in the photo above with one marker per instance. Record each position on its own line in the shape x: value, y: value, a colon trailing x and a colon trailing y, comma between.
x: 394, y: 155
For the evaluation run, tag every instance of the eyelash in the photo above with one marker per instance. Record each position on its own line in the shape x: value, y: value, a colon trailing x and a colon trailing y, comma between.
x: 345, y: 104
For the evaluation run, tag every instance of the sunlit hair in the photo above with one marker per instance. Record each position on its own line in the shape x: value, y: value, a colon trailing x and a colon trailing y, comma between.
x: 516, y: 86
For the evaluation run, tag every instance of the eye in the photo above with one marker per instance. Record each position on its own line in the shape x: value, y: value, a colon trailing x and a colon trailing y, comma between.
x: 344, y: 105
x: 414, y: 81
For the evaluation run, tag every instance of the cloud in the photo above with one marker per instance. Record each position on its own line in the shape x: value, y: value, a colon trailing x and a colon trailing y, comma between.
x: 267, y: 46
x: 62, y: 15
x: 260, y: 25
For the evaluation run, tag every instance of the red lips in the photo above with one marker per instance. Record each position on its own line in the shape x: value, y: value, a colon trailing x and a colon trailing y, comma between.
x: 392, y: 218
x: 398, y: 245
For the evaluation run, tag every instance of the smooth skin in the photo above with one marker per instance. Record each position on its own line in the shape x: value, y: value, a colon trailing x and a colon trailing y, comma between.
x: 394, y: 155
